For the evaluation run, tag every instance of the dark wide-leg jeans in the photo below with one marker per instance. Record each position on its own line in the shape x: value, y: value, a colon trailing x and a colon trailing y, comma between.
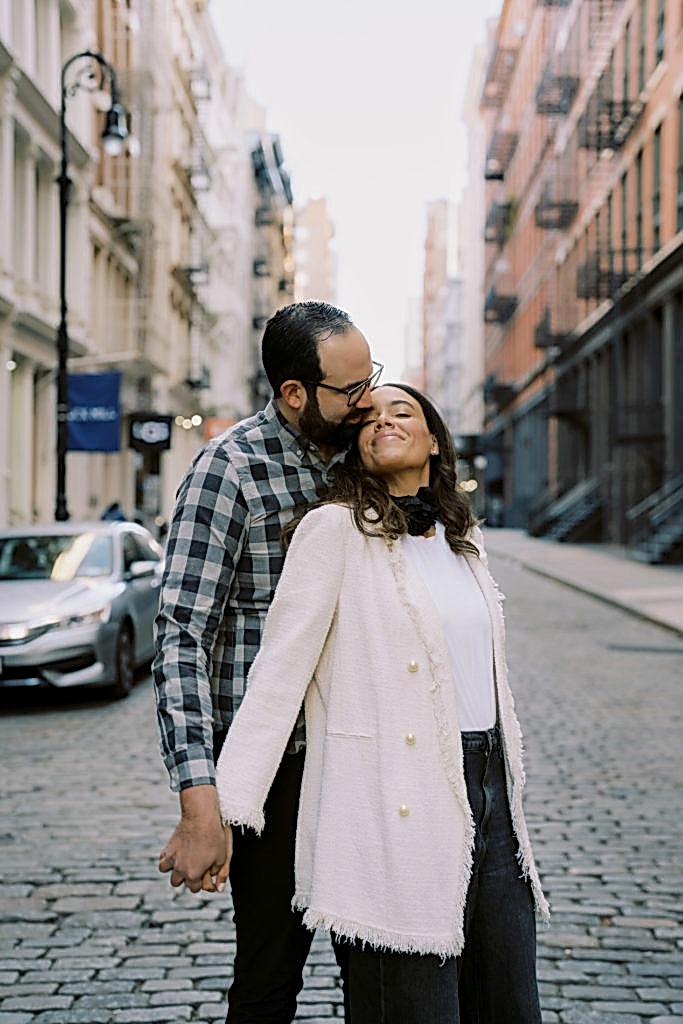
x: 494, y: 981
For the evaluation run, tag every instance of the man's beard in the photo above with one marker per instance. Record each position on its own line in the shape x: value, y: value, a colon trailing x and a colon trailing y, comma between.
x: 316, y: 428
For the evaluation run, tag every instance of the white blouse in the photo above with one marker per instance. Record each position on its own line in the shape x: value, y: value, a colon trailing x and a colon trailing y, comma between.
x: 466, y: 624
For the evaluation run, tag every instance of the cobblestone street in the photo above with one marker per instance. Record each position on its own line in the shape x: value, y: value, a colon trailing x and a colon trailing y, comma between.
x: 90, y: 932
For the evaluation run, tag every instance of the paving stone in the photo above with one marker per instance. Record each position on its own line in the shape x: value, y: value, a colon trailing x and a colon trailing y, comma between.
x: 166, y: 984
x: 133, y: 973
x: 166, y: 1014
x: 98, y: 963
x: 588, y: 1015
x: 106, y: 1000
x: 30, y: 988
x: 212, y: 1014
x: 663, y: 995
x: 138, y: 949
x: 39, y: 1002
x: 22, y: 929
x: 99, y: 902
x: 199, y: 972
x: 88, y: 1015
x: 627, y: 1006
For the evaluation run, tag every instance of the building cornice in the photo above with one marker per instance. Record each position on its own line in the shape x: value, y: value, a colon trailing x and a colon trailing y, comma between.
x: 35, y: 103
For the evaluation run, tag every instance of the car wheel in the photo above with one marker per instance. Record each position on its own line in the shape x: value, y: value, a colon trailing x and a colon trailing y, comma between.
x: 124, y: 663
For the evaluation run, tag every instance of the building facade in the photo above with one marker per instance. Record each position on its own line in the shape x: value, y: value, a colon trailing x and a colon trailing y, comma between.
x: 583, y: 301
x: 316, y: 260
x: 162, y: 246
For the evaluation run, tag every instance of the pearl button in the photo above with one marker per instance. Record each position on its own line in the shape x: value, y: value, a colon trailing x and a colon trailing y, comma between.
x: 411, y: 739
x: 412, y: 666
x: 404, y: 810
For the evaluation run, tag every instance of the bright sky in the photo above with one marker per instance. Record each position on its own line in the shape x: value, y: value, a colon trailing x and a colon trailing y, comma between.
x: 367, y: 97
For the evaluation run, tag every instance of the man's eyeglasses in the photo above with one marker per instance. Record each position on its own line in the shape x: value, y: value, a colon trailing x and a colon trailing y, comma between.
x: 354, y: 392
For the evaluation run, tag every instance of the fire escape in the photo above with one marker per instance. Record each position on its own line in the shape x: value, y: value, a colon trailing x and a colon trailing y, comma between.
x: 194, y: 273
x: 557, y: 205
x: 610, y: 114
x: 272, y: 264
x: 500, y: 303
x: 580, y: 177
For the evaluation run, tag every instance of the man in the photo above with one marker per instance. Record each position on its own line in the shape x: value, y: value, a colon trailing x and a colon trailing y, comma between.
x: 223, y: 562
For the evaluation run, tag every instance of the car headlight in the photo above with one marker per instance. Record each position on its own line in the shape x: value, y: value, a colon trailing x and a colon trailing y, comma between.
x: 22, y: 632
x: 98, y: 615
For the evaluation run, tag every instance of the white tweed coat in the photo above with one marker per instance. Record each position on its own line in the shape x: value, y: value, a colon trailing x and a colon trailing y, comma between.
x: 385, y: 832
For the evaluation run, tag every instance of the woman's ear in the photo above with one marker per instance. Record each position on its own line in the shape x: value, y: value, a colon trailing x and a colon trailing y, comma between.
x: 294, y: 394
x: 435, y: 446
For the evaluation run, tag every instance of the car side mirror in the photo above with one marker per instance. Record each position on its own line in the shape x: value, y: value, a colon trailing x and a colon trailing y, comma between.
x: 137, y: 570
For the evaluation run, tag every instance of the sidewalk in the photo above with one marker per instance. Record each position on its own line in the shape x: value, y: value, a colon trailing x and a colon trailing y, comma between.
x: 653, y: 592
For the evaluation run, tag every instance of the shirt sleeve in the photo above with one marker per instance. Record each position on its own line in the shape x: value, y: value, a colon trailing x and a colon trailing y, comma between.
x: 205, y: 540
x: 296, y: 628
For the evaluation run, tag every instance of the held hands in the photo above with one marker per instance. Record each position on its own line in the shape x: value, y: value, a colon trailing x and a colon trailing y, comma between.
x: 199, y: 849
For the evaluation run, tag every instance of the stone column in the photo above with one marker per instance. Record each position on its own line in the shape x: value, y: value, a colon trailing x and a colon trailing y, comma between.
x: 7, y: 105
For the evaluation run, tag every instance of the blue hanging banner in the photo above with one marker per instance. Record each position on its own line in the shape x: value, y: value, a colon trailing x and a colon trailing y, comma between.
x: 94, y: 423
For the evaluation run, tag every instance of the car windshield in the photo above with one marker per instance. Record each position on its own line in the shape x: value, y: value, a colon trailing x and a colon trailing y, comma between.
x: 59, y: 557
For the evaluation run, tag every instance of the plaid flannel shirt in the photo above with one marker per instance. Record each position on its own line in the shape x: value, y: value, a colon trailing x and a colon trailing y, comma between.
x: 223, y: 561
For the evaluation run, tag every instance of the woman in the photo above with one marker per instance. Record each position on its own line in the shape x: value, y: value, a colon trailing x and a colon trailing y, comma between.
x: 411, y: 839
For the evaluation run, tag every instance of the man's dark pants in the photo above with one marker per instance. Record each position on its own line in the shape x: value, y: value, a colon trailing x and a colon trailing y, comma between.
x: 272, y: 943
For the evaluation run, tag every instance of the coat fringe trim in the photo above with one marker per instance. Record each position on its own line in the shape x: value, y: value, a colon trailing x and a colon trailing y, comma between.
x: 378, y: 938
x: 246, y: 819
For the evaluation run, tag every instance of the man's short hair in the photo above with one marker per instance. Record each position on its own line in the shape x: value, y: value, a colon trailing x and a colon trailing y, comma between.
x: 289, y: 350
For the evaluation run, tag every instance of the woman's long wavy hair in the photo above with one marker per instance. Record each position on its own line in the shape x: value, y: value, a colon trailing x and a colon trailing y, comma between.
x: 374, y: 511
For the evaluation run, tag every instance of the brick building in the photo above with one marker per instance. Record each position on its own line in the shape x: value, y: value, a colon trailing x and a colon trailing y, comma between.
x: 583, y: 103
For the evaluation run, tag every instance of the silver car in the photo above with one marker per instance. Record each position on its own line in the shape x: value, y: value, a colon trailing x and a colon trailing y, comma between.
x: 77, y: 604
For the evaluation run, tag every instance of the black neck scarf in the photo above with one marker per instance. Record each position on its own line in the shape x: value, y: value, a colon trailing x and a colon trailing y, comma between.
x: 419, y: 509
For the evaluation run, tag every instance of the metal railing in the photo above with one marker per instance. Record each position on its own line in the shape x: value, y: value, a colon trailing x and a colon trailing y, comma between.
x: 648, y: 515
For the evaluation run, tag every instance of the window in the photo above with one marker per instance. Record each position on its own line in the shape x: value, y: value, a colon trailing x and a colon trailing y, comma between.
x: 642, y: 44
x: 626, y: 85
x: 42, y: 255
x: 679, y: 202
x: 639, y: 207
x: 659, y: 41
x: 656, y: 187
x: 624, y: 220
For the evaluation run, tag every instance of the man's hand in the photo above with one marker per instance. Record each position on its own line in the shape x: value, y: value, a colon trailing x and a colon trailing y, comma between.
x: 197, y: 849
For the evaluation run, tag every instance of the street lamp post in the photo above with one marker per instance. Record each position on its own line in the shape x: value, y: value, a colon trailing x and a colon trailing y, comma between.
x: 95, y: 74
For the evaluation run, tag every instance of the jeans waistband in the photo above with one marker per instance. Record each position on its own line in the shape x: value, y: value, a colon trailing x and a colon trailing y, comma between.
x: 481, y: 742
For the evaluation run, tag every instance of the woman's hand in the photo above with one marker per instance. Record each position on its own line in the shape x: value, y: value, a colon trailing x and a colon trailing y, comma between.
x: 217, y: 883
